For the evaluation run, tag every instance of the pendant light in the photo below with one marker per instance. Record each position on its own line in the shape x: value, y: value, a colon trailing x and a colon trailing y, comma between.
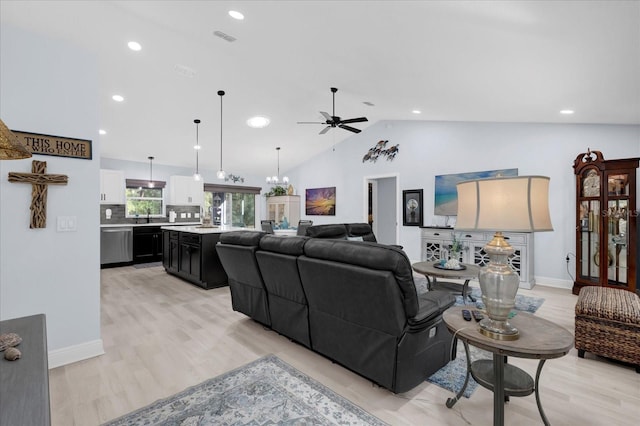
x: 151, y: 185
x: 275, y: 180
x: 196, y: 175
x: 221, y: 174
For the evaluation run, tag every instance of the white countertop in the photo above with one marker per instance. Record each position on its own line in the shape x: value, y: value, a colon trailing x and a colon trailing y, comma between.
x: 200, y: 230
x: 120, y: 225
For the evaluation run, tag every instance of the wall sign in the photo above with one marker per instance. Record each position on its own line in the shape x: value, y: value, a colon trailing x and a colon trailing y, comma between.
x: 55, y: 145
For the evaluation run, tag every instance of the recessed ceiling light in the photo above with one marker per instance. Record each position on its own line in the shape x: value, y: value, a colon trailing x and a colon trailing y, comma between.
x: 416, y: 111
x: 117, y: 98
x: 102, y: 132
x: 258, y: 122
x: 196, y: 147
x: 134, y: 45
x: 567, y: 111
x: 236, y: 15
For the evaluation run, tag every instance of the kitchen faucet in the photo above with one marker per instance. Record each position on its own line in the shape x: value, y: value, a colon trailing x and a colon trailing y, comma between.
x: 148, y: 213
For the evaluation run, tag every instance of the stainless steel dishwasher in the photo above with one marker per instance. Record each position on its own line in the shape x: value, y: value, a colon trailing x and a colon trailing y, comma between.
x: 116, y: 245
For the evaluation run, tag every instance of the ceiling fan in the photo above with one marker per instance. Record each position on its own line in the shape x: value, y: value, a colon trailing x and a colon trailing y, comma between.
x: 335, y: 121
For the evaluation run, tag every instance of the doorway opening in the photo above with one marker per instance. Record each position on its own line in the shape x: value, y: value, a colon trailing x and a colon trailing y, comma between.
x: 382, y: 207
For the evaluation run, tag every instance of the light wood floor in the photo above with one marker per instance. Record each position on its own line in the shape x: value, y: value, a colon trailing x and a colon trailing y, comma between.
x: 162, y: 335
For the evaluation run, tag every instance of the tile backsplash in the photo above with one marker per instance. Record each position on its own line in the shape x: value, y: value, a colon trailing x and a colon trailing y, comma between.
x: 118, y: 215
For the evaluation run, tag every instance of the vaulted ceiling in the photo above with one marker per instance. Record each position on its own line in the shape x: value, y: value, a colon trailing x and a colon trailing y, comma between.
x: 519, y: 61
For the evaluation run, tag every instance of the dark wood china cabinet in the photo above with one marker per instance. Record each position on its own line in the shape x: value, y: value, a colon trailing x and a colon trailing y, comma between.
x: 606, y: 221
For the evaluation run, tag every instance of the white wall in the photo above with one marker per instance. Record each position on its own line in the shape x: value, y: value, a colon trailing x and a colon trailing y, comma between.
x: 433, y: 148
x: 49, y: 87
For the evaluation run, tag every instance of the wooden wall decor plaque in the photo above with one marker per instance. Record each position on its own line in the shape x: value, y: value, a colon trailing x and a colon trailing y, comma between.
x: 39, y: 180
x: 59, y: 146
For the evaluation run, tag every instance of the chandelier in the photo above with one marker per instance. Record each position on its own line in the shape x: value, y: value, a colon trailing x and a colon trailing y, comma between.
x: 275, y: 180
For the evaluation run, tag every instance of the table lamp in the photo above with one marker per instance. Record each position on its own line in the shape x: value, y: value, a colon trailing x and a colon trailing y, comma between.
x: 511, y: 204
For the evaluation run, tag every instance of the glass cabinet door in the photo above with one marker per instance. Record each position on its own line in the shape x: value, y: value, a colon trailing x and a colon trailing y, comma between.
x: 589, y: 243
x: 616, y: 218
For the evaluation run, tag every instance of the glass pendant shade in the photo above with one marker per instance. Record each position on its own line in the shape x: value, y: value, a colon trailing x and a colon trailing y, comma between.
x: 221, y: 173
x: 196, y: 175
x: 515, y: 204
x: 151, y: 184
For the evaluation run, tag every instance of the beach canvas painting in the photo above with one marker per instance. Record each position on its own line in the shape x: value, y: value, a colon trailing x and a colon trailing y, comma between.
x: 446, y: 194
x: 320, y: 201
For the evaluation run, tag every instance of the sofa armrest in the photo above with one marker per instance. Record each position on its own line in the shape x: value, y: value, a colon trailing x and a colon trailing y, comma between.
x: 431, y: 305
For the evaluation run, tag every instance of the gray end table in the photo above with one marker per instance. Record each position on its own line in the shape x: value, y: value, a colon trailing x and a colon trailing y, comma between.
x: 24, y: 383
x: 539, y: 339
x: 432, y: 273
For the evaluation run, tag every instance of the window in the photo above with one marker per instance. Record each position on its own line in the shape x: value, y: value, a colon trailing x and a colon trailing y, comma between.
x: 143, y: 201
x: 231, y: 205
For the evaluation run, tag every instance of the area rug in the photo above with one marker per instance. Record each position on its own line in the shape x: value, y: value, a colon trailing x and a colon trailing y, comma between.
x: 523, y: 303
x: 267, y: 391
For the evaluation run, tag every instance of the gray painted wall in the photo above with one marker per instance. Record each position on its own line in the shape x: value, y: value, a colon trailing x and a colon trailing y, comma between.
x: 433, y: 148
x: 49, y: 87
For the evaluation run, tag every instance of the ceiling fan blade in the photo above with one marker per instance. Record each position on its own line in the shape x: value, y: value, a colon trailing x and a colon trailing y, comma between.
x: 325, y: 130
x: 349, y: 128
x: 326, y: 115
x: 354, y: 120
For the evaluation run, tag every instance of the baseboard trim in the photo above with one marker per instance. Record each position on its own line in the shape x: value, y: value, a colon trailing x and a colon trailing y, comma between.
x: 554, y: 282
x: 75, y: 353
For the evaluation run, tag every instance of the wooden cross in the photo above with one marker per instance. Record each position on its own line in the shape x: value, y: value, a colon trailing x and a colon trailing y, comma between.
x: 39, y: 180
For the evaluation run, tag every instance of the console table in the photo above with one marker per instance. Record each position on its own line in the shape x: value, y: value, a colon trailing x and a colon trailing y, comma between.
x: 434, y: 239
x: 24, y: 383
x: 539, y: 339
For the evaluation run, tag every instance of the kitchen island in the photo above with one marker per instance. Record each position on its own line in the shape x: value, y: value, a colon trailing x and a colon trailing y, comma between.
x: 189, y: 252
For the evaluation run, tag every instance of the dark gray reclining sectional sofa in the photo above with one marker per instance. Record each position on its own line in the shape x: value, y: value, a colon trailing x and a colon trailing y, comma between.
x: 353, y: 302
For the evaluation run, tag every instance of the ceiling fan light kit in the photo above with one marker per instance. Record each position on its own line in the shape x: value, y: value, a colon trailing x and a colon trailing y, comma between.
x: 335, y: 121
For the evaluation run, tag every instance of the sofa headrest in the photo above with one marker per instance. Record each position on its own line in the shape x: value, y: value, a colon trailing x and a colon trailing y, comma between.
x: 367, y: 254
x: 242, y: 238
x: 361, y: 230
x: 333, y: 231
x: 285, y: 245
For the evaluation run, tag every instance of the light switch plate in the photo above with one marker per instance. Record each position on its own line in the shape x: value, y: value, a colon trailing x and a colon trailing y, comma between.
x: 67, y: 224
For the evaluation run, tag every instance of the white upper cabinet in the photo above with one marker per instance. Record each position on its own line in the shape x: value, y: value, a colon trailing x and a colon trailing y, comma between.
x: 185, y: 191
x: 111, y: 187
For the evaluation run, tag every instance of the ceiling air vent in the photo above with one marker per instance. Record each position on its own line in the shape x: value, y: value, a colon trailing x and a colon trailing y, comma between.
x: 224, y: 36
x: 184, y: 71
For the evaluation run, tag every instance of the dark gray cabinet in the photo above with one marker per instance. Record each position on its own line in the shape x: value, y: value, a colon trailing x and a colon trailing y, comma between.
x: 170, y: 250
x: 147, y: 244
x: 193, y: 257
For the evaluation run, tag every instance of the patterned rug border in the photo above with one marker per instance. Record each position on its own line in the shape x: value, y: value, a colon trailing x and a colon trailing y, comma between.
x: 351, y: 413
